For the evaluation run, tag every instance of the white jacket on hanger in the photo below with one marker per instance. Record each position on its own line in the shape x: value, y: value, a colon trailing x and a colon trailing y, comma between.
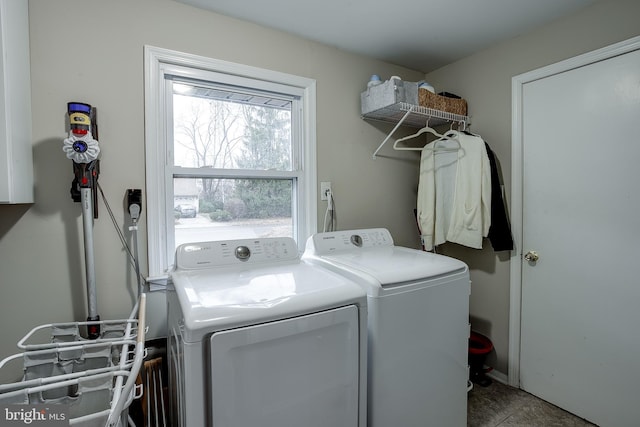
x: 454, y: 193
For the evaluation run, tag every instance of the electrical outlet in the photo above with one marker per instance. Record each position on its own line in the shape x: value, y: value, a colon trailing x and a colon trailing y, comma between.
x: 324, y: 187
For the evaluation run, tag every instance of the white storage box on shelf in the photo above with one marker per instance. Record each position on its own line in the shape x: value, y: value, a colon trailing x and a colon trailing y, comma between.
x: 86, y: 382
x: 387, y: 94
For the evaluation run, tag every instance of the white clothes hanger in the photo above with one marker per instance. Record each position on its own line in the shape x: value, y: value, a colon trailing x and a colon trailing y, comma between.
x: 428, y: 129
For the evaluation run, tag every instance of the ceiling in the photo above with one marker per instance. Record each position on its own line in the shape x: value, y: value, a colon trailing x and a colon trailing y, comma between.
x: 422, y: 35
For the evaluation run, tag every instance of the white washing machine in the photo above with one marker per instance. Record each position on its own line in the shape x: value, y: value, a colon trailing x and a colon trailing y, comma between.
x: 418, y: 305
x: 259, y: 338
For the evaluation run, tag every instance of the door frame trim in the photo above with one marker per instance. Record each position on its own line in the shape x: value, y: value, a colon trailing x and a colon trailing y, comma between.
x: 517, y: 211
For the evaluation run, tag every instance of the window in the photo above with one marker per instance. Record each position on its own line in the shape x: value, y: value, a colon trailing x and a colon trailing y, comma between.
x: 230, y: 153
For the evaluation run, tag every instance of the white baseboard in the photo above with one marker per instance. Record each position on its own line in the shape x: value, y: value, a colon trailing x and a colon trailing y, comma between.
x: 498, y: 376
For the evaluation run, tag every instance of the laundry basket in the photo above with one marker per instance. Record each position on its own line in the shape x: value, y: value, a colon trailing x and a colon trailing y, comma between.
x: 84, y: 382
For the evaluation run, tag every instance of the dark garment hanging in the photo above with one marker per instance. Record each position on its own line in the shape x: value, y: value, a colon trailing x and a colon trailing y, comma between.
x: 500, y: 230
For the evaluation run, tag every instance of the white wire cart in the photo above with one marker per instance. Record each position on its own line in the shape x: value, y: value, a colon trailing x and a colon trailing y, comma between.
x: 92, y: 380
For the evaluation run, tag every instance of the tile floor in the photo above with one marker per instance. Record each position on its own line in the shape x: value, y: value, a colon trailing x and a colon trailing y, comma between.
x: 505, y: 406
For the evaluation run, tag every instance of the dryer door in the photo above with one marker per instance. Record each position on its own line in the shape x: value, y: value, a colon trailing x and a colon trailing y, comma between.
x: 302, y: 371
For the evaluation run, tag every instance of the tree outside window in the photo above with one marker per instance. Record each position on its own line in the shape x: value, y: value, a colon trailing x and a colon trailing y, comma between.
x: 221, y: 132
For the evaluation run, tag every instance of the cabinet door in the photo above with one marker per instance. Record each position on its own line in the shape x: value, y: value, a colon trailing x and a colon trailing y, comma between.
x: 16, y: 159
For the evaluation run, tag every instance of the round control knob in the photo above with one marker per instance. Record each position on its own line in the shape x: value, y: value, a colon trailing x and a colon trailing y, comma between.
x: 243, y: 253
x: 356, y: 240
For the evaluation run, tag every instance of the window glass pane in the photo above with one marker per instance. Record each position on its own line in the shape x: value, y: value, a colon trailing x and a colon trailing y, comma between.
x: 222, y: 209
x: 230, y: 129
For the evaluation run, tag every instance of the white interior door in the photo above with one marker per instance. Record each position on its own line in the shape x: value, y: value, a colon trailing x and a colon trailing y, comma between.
x: 580, y: 312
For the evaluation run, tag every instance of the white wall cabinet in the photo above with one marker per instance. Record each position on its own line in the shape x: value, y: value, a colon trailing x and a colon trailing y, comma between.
x: 16, y: 152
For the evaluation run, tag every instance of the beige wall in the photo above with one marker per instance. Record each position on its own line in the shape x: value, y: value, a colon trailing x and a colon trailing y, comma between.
x: 484, y: 79
x: 92, y: 51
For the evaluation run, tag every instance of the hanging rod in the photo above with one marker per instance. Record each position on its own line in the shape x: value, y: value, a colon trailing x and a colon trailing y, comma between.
x: 412, y: 115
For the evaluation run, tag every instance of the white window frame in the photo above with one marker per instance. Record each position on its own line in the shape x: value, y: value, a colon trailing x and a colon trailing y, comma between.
x: 159, y: 143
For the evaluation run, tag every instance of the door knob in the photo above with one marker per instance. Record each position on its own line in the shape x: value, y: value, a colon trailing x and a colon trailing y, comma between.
x: 531, y: 256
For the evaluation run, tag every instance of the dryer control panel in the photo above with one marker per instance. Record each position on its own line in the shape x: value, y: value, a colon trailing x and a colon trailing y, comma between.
x: 224, y: 253
x: 336, y: 241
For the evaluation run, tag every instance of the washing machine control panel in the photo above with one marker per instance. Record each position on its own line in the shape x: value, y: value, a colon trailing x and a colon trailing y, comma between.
x: 234, y: 252
x: 326, y: 243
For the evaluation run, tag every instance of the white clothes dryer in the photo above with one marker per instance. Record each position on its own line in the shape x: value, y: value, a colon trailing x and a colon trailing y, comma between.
x: 259, y: 338
x: 418, y: 305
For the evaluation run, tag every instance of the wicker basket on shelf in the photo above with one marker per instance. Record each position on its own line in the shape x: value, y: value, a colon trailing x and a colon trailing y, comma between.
x: 442, y: 103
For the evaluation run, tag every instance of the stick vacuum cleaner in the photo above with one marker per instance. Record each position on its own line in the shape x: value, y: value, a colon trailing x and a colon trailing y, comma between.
x: 82, y: 148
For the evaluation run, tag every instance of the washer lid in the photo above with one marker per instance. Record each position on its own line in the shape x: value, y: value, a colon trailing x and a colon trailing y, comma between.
x: 395, y: 264
x: 372, y: 251
x: 213, y: 300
